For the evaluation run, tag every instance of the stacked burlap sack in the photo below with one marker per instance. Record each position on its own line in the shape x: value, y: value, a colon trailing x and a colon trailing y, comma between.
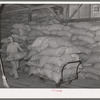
x: 84, y: 35
x: 53, y: 29
x: 48, y: 54
x: 87, y: 38
x: 22, y: 34
x: 19, y: 32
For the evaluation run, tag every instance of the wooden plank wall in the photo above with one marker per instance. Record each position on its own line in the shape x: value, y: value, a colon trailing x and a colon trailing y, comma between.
x: 8, y: 19
x: 18, y: 13
x: 83, y: 12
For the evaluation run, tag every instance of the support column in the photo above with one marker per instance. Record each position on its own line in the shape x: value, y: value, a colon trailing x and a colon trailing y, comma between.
x: 29, y: 13
x: 66, y: 12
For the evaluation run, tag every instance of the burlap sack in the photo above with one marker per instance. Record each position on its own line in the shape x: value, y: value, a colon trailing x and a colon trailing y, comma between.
x: 53, y: 51
x: 72, y: 50
x: 16, y: 56
x: 97, y: 32
x: 84, y: 56
x: 53, y: 67
x: 86, y: 25
x: 59, y: 61
x: 91, y: 70
x: 91, y: 76
x: 20, y: 26
x: 96, y: 49
x: 87, y: 39
x: 97, y: 38
x: 84, y: 49
x: 55, y: 27
x: 5, y: 40
x: 64, y: 33
x: 97, y: 66
x: 78, y: 31
x: 94, y: 58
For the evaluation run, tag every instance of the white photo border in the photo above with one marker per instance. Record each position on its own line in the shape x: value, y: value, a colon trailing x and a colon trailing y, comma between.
x: 48, y: 93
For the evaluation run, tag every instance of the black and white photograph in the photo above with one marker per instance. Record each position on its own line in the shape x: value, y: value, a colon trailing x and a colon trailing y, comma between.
x: 50, y: 46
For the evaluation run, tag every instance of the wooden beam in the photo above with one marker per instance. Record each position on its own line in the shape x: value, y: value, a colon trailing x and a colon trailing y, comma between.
x: 41, y: 7
x: 61, y: 5
x: 26, y: 9
x: 14, y: 11
x: 53, y: 13
x: 79, y: 13
x: 75, y: 11
x: 80, y: 20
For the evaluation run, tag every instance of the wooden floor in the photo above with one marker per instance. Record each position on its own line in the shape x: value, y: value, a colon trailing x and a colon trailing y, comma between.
x: 25, y: 81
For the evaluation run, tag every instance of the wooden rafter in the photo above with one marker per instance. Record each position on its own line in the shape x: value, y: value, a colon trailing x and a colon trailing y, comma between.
x: 26, y: 9
x: 53, y: 13
x: 41, y: 7
x: 61, y: 5
x: 80, y: 20
x: 14, y: 11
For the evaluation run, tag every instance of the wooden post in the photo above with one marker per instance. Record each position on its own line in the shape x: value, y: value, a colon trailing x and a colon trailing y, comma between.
x: 1, y: 8
x: 66, y: 12
x: 29, y: 13
x: 68, y: 8
x: 89, y: 10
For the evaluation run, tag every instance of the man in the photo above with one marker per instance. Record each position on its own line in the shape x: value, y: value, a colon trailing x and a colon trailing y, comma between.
x: 12, y: 48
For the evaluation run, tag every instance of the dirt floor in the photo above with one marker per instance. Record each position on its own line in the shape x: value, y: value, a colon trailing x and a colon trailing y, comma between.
x: 25, y: 81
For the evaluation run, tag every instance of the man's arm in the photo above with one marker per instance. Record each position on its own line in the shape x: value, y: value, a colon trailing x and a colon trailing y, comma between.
x: 19, y: 47
x: 7, y: 51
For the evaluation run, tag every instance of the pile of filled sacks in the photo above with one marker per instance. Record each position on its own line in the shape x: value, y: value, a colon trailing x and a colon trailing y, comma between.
x: 48, y: 54
x: 85, y: 36
x: 51, y: 40
x: 20, y: 31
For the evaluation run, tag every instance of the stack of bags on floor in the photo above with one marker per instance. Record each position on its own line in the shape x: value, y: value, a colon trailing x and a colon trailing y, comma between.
x: 83, y: 38
x: 48, y: 54
x: 89, y: 39
x: 20, y: 32
x: 84, y: 35
x: 54, y: 29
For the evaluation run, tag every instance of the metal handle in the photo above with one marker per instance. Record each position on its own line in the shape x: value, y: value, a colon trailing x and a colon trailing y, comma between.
x: 67, y: 64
